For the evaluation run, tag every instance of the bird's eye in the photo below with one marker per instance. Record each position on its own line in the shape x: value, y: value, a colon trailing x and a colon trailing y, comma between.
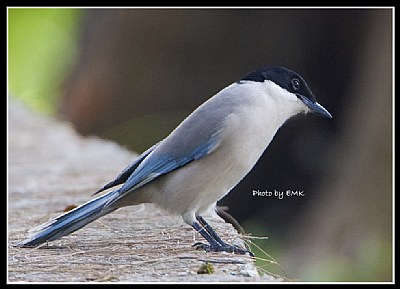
x: 295, y: 83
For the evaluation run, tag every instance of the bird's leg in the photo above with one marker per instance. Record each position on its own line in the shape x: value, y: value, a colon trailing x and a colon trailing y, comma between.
x: 210, y: 230
x: 199, y: 245
x: 215, y: 241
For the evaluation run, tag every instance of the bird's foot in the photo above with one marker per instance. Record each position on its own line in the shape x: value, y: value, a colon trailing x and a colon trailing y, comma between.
x: 221, y: 248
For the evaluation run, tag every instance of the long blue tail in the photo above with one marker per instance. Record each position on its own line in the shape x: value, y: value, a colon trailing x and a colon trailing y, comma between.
x: 70, y: 221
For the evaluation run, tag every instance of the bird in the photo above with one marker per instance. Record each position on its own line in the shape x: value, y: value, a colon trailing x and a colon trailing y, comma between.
x: 202, y: 159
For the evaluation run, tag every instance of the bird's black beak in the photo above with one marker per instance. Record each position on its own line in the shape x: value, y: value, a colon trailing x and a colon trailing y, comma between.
x: 315, y: 107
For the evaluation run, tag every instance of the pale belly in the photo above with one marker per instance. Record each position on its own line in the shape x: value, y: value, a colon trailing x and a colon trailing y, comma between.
x: 200, y: 184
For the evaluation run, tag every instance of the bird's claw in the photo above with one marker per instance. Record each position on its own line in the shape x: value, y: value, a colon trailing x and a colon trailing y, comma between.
x: 221, y: 248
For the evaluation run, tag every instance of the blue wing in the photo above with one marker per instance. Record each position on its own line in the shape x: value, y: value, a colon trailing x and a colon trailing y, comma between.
x: 124, y: 175
x: 197, y: 136
x: 163, y: 160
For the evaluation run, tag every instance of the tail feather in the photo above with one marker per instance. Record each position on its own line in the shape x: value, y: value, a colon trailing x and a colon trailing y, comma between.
x: 70, y: 221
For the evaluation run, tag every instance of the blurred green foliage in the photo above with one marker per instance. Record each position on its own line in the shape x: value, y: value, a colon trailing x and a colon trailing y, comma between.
x: 370, y: 262
x: 42, y: 44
